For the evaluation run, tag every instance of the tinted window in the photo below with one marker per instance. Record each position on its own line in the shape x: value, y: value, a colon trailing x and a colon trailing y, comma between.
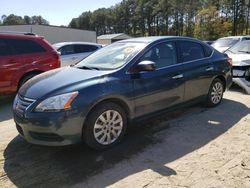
x: 163, y: 55
x: 190, y: 51
x: 84, y: 48
x: 4, y: 48
x: 208, y: 51
x: 24, y: 46
x: 66, y: 50
x: 247, y: 38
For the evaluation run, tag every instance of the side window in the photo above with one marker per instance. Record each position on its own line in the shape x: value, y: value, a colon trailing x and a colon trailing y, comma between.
x: 190, y: 51
x: 208, y: 51
x: 67, y: 50
x: 4, y: 48
x: 24, y: 46
x: 84, y: 48
x: 163, y: 55
x: 93, y: 48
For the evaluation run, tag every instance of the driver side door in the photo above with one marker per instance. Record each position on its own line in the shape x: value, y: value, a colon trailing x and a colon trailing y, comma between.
x: 163, y: 87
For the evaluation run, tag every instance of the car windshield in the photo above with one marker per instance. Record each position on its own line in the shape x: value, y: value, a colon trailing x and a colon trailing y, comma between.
x: 112, y: 56
x: 225, y: 42
x: 241, y: 47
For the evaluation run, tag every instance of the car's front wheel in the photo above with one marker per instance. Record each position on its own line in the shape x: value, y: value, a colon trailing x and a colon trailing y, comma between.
x: 215, y: 93
x: 105, y: 126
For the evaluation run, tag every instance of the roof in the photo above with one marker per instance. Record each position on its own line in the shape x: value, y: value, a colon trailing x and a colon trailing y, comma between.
x: 114, y: 36
x: 60, y: 44
x: 154, y: 38
x: 11, y: 34
x: 235, y: 37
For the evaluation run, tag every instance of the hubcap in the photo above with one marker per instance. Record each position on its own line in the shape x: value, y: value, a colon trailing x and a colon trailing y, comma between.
x: 108, y: 127
x: 217, y: 92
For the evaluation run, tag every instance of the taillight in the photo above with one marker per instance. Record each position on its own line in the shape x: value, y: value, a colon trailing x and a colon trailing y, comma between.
x: 230, y: 61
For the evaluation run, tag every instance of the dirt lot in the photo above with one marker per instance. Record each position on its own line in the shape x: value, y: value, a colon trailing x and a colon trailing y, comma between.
x: 192, y: 147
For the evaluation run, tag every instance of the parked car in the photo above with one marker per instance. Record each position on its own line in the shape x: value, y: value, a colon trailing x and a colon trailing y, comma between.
x: 240, y: 54
x: 222, y: 44
x: 72, y: 52
x: 131, y: 79
x: 23, y: 56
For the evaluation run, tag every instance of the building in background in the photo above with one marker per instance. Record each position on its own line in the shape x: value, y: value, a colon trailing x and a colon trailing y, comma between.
x: 54, y: 34
x: 110, y: 38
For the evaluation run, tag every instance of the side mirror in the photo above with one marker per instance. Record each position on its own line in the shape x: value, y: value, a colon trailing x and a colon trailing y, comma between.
x: 59, y: 53
x: 145, y: 66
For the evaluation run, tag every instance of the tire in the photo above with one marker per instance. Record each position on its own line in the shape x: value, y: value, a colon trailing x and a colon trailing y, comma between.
x: 215, y: 94
x: 105, y: 126
x: 25, y: 79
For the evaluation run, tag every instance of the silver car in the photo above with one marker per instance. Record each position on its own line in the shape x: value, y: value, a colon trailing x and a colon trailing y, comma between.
x: 240, y: 54
x: 72, y: 52
x: 222, y: 44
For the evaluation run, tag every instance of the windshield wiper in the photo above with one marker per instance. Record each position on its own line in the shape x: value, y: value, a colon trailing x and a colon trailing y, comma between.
x: 248, y: 52
x: 87, y: 68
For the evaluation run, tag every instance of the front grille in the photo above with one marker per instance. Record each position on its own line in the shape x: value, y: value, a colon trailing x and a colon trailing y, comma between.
x: 21, y: 104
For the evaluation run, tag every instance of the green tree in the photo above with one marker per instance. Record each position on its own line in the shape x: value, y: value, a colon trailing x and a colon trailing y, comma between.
x: 27, y: 20
x: 13, y: 20
x: 39, y: 20
x: 209, y: 25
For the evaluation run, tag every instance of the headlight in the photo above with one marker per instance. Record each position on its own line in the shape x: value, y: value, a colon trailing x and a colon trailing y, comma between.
x: 57, y: 103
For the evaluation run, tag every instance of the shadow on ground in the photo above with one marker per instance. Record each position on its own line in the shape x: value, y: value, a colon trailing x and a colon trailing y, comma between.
x: 170, y: 137
x: 5, y: 108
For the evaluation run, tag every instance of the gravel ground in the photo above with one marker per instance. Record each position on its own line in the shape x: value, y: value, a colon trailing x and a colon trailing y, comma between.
x: 191, y: 147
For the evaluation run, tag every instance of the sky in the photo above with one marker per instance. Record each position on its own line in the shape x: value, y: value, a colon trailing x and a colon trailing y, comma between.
x: 56, y: 12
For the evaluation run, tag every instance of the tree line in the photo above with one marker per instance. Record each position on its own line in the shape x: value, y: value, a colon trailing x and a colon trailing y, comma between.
x: 204, y: 19
x: 18, y: 20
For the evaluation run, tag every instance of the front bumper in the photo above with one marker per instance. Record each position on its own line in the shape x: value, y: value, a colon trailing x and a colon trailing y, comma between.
x: 50, y: 129
x: 241, y: 76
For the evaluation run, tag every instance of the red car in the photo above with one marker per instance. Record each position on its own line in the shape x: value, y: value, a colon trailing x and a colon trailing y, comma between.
x: 23, y: 56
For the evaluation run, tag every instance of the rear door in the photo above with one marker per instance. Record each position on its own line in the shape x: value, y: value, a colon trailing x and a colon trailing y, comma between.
x: 163, y: 87
x: 198, y: 69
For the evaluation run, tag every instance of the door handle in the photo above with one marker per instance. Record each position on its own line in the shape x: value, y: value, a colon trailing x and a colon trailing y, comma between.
x: 178, y: 76
x: 209, y: 68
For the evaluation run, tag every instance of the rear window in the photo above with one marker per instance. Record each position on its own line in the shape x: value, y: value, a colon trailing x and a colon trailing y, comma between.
x: 4, y: 48
x: 208, y: 51
x: 21, y: 46
x: 85, y: 48
x: 190, y: 51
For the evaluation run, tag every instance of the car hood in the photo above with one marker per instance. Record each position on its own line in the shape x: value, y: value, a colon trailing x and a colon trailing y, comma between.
x: 57, y: 79
x: 240, y: 59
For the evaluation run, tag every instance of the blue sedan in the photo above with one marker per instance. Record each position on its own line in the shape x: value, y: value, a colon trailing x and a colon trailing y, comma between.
x: 94, y: 100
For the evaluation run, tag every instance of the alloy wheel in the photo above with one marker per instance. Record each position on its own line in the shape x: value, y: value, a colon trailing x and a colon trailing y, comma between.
x: 108, y: 127
x: 216, y: 93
